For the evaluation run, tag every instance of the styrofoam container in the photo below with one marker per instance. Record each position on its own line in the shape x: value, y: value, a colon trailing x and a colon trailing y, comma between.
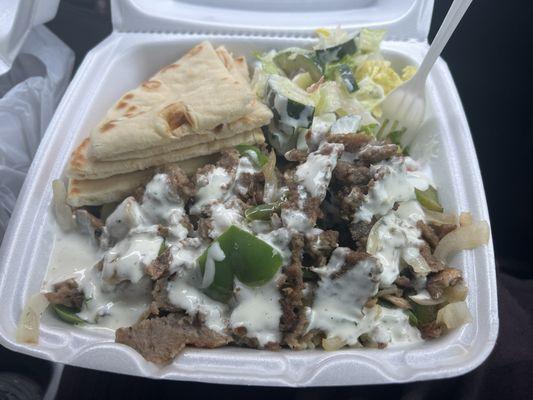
x: 137, y: 49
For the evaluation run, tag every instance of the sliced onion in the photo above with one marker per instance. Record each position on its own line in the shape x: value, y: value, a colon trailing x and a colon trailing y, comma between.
x: 271, y: 179
x: 372, y: 241
x: 333, y: 343
x: 28, y: 325
x: 63, y: 212
x: 440, y: 218
x: 465, y: 219
x: 424, y: 299
x: 419, y: 264
x: 454, y: 315
x: 457, y: 292
x: 463, y: 238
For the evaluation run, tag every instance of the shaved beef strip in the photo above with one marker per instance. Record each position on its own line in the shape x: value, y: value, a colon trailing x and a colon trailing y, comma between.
x: 161, y: 339
x: 349, y: 174
x: 66, y: 293
x: 436, y: 283
x: 293, y: 321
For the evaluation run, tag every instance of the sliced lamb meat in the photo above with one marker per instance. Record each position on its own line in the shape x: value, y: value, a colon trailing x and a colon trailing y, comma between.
x: 350, y: 200
x: 160, y: 265
x: 319, y: 246
x: 360, y: 231
x: 296, y: 155
x: 66, y: 293
x: 229, y: 159
x: 434, y: 263
x: 250, y: 187
x: 352, y: 141
x: 88, y: 224
x: 442, y: 230
x: 349, y: 174
x: 293, y: 322
x: 205, y: 226
x: 428, y: 234
x: 403, y: 282
x: 179, y: 181
x: 161, y: 339
x: 430, y: 330
x: 436, y: 283
x: 374, y: 153
x: 240, y: 337
x: 160, y: 300
x: 399, y: 302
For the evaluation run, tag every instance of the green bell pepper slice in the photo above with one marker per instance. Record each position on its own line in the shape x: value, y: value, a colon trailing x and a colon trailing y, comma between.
x: 253, y: 261
x: 67, y: 314
x: 262, y: 212
x: 253, y: 153
x: 429, y: 198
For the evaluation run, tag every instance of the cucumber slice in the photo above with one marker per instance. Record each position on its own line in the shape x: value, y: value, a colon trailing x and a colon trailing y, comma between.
x: 291, y: 105
x: 294, y: 60
x: 303, y: 80
x: 344, y: 75
x: 335, y: 53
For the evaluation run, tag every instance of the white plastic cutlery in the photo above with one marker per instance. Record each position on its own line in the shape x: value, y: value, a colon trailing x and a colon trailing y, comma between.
x: 407, y: 103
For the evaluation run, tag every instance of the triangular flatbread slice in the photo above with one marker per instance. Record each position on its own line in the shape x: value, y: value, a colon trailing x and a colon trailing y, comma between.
x: 193, y: 96
x: 95, y: 192
x: 81, y: 166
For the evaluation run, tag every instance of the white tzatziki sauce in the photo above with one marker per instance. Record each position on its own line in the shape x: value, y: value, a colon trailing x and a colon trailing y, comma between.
x: 258, y: 310
x: 339, y: 300
x: 315, y: 173
x: 397, y: 184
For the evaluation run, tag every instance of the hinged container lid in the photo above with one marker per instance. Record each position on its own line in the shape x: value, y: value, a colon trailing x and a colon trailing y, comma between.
x: 404, y: 19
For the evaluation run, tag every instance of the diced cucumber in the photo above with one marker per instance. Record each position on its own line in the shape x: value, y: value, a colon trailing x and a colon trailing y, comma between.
x: 344, y: 74
x: 291, y: 105
x: 294, y: 60
x: 293, y: 109
x: 303, y: 80
x: 335, y: 53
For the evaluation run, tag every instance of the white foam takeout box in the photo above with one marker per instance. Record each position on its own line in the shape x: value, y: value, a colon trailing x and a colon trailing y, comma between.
x: 148, y: 35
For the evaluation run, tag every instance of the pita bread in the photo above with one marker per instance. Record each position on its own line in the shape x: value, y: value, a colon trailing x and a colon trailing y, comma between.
x: 237, y: 67
x: 81, y: 166
x: 194, y: 95
x: 260, y: 116
x: 94, y: 192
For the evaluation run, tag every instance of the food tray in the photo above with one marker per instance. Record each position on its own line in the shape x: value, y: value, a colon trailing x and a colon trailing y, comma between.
x: 127, y: 57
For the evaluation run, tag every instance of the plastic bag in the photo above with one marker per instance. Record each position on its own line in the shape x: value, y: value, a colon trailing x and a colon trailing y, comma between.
x: 29, y: 94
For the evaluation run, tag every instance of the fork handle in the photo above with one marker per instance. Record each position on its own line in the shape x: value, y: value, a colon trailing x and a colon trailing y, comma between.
x: 452, y: 19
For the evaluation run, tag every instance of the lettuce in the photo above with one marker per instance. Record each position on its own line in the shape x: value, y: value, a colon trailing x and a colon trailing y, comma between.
x: 331, y: 37
x: 369, y: 40
x: 381, y: 72
x: 370, y: 95
x: 267, y: 64
x: 331, y: 98
x: 327, y: 98
x: 408, y: 72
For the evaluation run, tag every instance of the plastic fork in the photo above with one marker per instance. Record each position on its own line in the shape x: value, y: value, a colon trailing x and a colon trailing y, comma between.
x: 407, y: 103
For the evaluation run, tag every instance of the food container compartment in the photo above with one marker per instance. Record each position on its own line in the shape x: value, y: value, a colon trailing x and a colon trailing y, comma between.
x: 122, y: 61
